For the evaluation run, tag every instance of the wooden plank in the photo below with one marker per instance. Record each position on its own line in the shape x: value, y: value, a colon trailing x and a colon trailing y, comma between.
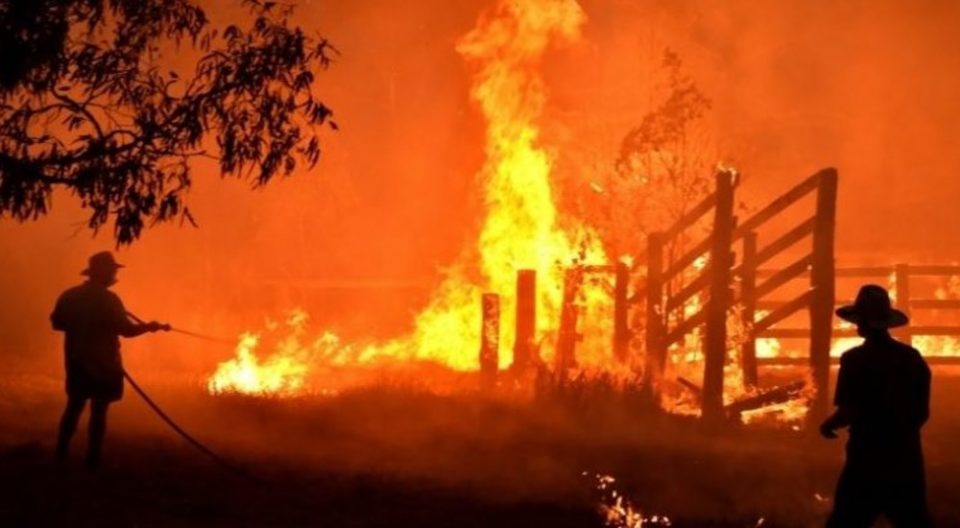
x: 934, y: 304
x: 935, y: 270
x: 525, y: 352
x: 785, y: 275
x: 789, y: 361
x: 655, y: 345
x: 861, y: 272
x: 565, y: 357
x: 598, y: 268
x: 934, y: 330
x: 786, y: 240
x: 902, y: 298
x: 781, y: 203
x: 942, y: 360
x: 803, y: 362
x: 698, y: 250
x: 639, y: 293
x: 691, y: 216
x: 802, y: 333
x: 773, y: 304
x: 621, y: 329
x: 696, y: 285
x: 767, y: 397
x: 715, y: 325
x: 748, y: 298
x: 781, y: 313
x: 685, y: 327
x: 489, y: 338
x: 846, y: 273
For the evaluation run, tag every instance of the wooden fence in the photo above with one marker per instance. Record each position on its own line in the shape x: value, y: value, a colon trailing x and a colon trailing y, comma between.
x: 818, y: 264
x: 664, y: 306
x: 903, y: 275
x: 723, y: 284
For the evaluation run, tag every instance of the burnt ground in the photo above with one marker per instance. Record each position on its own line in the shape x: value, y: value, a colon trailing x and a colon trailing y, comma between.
x: 399, y: 456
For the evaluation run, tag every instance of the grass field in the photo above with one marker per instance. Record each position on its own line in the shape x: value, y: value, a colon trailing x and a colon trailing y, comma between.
x: 399, y: 456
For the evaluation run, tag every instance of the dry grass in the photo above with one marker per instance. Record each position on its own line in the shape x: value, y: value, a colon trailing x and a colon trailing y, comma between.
x: 399, y: 454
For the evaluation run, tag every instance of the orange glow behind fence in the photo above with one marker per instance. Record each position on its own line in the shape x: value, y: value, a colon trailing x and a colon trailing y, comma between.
x: 522, y: 228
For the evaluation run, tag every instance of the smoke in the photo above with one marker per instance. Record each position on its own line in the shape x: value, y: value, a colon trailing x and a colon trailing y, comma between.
x: 867, y: 87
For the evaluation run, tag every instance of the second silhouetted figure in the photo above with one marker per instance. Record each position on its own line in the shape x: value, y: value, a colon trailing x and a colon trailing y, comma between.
x: 883, y: 396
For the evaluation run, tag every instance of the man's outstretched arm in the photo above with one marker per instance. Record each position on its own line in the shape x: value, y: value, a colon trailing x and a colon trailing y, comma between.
x: 842, y: 416
x: 126, y: 327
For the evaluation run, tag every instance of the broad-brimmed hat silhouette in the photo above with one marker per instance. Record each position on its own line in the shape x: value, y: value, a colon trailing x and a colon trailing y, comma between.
x: 872, y: 308
x: 100, y: 263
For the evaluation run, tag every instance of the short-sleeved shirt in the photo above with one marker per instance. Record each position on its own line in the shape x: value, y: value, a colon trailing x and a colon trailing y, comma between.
x: 884, y: 386
x: 92, y: 318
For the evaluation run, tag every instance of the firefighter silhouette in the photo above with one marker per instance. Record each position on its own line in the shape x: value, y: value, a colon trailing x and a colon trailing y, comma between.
x: 882, y: 397
x: 93, y: 319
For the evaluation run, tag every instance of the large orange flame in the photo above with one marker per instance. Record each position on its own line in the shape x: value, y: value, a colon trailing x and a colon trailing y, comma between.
x: 521, y: 225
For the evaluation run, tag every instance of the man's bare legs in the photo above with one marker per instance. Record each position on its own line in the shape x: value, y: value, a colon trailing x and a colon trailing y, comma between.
x: 97, y: 428
x: 68, y: 425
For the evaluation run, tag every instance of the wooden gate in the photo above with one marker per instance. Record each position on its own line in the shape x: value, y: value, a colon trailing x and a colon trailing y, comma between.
x: 902, y: 292
x: 818, y: 264
x: 664, y: 306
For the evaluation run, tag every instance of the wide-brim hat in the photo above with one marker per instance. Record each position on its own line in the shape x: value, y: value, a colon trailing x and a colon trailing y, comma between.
x: 872, y: 308
x: 100, y: 263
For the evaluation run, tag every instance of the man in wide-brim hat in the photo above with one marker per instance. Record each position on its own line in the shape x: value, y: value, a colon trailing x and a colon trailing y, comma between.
x: 93, y: 319
x: 882, y: 397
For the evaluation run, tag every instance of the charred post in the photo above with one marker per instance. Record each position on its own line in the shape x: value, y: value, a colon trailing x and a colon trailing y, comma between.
x: 719, y: 268
x: 656, y: 350
x: 489, y: 339
x: 525, y: 351
x: 822, y: 275
x: 748, y: 285
x: 621, y: 329
x: 901, y: 276
x: 567, y: 333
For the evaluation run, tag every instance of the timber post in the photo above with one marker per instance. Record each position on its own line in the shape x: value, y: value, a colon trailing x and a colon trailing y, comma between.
x: 715, y: 332
x: 748, y: 285
x: 822, y: 283
x: 567, y: 333
x: 621, y: 329
x: 901, y: 274
x: 489, y: 339
x: 655, y: 347
x: 524, y: 347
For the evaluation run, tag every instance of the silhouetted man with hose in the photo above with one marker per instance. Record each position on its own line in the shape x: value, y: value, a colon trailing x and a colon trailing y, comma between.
x: 93, y: 319
x: 883, y: 397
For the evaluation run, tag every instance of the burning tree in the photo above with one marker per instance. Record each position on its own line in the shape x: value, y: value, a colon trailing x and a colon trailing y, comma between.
x: 665, y: 163
x: 87, y: 104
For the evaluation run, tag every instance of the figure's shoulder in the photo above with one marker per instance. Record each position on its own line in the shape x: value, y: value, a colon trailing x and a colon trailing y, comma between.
x: 852, y: 355
x: 72, y: 292
x: 904, y: 348
x: 114, y: 298
x: 912, y: 353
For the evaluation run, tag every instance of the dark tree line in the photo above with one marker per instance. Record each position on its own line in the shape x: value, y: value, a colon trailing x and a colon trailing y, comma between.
x: 87, y: 104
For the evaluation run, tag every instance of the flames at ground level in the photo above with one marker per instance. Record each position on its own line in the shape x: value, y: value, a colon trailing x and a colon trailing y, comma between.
x: 522, y: 229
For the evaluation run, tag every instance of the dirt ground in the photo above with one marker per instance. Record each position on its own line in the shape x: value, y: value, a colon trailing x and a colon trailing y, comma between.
x: 400, y: 456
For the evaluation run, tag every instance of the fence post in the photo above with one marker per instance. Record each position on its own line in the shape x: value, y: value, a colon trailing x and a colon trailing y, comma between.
x: 901, y: 276
x: 524, y: 346
x: 567, y: 333
x: 621, y: 329
x: 489, y: 339
x: 715, y: 349
x: 748, y: 284
x: 822, y: 276
x: 655, y: 348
